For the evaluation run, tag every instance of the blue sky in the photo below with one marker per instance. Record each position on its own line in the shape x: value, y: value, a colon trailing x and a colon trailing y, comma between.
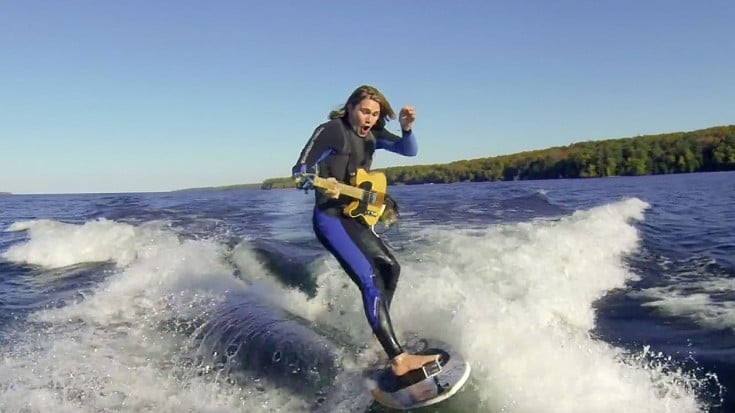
x: 127, y: 96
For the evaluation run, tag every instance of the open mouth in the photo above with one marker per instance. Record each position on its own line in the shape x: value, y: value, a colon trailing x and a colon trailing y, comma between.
x: 364, y: 130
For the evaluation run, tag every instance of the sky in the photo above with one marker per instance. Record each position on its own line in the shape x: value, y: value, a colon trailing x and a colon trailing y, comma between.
x: 139, y: 95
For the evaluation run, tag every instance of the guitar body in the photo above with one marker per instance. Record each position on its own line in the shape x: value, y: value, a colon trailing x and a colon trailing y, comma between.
x: 371, y: 206
x: 367, y: 190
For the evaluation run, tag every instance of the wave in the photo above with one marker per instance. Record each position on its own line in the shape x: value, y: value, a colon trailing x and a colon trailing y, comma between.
x: 517, y: 300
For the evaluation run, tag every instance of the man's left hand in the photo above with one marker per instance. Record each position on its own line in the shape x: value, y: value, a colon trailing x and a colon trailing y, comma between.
x: 333, y: 191
x: 407, y: 116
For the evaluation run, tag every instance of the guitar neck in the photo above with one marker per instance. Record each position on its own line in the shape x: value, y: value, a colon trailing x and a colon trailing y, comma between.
x: 344, y: 189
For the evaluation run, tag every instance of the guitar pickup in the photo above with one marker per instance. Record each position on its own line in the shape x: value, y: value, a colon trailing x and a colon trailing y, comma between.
x: 372, y: 198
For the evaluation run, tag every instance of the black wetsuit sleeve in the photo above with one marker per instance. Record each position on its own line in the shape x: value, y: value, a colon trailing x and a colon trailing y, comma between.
x: 327, y: 139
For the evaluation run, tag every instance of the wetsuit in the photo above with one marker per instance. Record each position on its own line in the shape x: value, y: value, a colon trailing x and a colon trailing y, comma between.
x: 336, y: 150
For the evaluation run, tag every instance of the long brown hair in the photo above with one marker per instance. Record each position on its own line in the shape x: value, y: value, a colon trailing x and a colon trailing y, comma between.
x: 366, y: 92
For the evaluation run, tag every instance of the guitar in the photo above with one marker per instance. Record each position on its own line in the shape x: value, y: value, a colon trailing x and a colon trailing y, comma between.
x: 368, y: 191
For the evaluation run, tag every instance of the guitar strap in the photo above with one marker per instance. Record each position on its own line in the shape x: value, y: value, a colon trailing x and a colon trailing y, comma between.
x: 351, y: 163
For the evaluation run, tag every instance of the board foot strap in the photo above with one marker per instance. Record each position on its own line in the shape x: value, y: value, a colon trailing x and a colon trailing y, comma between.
x: 426, y: 371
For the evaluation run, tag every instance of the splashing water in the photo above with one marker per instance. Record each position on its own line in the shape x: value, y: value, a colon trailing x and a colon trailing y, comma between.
x: 517, y: 300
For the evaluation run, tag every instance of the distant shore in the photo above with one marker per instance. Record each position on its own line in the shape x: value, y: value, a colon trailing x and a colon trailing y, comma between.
x: 221, y: 188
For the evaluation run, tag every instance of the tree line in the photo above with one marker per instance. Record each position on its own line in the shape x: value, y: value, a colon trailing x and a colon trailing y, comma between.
x: 711, y: 149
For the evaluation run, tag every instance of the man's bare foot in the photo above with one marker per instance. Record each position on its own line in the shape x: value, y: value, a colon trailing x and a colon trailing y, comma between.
x: 405, y: 362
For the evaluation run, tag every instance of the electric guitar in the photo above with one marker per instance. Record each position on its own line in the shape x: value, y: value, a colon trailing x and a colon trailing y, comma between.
x: 368, y: 191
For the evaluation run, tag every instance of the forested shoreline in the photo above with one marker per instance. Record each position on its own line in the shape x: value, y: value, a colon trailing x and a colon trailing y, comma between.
x: 704, y: 150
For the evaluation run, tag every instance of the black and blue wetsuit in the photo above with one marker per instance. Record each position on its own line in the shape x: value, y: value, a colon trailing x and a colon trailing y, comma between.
x: 336, y: 150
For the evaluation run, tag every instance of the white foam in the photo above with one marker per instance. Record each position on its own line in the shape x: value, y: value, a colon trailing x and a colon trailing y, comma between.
x: 518, y: 300
x: 56, y: 244
x: 696, y: 300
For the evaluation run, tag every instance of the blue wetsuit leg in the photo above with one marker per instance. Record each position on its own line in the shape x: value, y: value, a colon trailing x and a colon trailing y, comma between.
x: 369, y: 264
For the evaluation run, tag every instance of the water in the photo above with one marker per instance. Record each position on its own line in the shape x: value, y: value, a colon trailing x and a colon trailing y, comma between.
x: 598, y: 295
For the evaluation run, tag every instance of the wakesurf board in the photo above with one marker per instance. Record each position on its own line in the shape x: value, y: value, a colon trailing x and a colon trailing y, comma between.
x: 436, y: 382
